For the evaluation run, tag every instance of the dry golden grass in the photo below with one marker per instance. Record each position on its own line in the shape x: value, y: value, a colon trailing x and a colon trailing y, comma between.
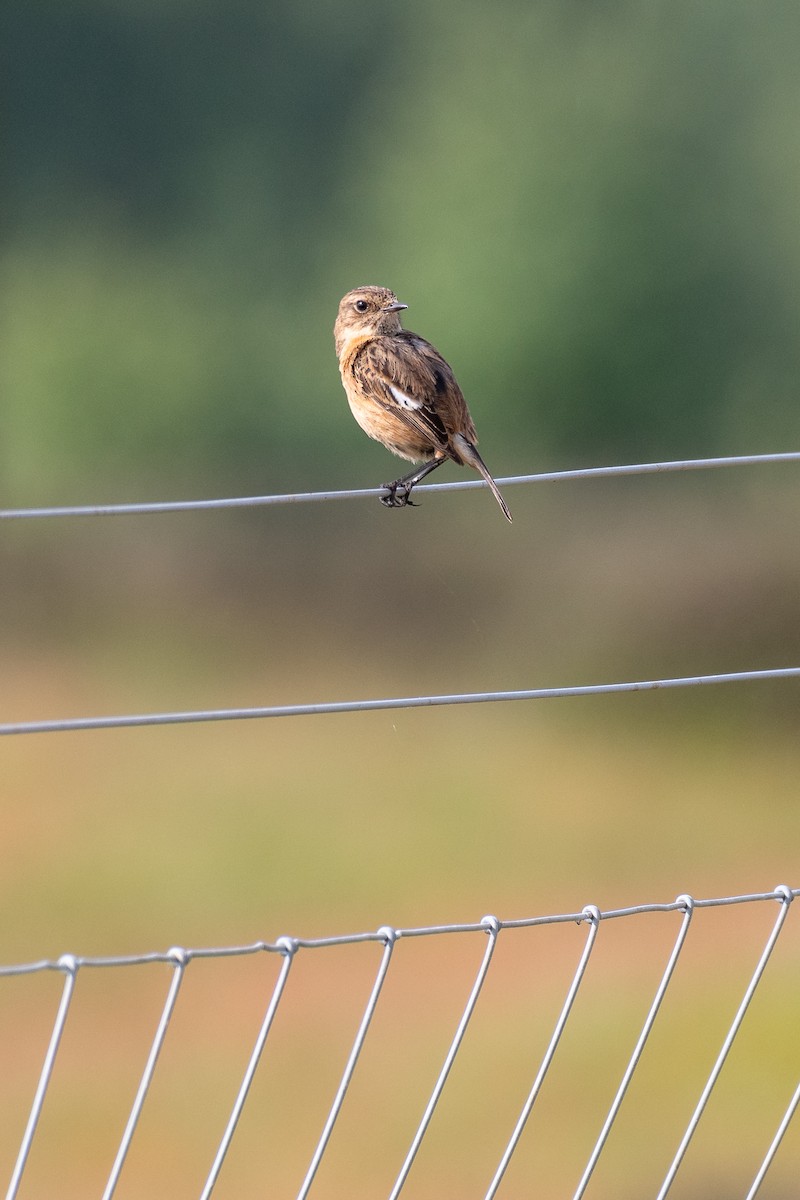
x: 138, y: 839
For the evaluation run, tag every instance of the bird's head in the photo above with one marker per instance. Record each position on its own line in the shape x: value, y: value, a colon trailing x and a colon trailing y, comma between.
x: 366, y: 312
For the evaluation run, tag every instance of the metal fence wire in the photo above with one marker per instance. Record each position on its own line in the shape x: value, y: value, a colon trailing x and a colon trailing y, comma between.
x: 582, y: 1052
x: 314, y: 708
x: 593, y: 1041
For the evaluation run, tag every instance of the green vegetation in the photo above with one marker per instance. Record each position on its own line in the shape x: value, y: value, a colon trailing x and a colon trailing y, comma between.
x: 592, y: 212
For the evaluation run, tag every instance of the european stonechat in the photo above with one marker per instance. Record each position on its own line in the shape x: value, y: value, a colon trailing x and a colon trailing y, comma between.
x: 402, y: 392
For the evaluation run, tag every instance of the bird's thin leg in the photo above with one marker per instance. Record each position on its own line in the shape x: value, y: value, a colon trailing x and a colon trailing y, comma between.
x: 398, y: 493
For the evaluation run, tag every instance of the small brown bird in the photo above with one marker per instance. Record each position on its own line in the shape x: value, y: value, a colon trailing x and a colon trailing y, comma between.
x: 402, y: 392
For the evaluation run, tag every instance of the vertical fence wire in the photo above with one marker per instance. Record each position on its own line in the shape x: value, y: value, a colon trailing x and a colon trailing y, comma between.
x: 785, y: 897
x: 69, y: 965
x: 639, y: 1047
x: 492, y: 928
x: 288, y: 947
x: 147, y: 1076
x: 776, y: 1141
x: 591, y: 915
x: 179, y: 959
x: 389, y: 937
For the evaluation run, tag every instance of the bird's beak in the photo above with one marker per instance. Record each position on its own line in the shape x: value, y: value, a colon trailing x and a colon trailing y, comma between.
x: 396, y: 307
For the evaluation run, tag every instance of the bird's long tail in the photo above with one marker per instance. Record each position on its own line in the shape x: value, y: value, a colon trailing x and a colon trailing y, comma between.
x: 470, y: 456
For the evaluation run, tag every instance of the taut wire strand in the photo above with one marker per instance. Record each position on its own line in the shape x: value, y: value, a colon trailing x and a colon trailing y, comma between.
x: 68, y: 963
x: 461, y: 485
x: 73, y: 724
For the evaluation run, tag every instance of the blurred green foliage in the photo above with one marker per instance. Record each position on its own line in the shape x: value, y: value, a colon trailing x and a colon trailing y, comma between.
x: 591, y: 209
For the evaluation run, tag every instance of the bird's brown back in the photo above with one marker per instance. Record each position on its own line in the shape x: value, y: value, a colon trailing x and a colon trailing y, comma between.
x: 406, y: 363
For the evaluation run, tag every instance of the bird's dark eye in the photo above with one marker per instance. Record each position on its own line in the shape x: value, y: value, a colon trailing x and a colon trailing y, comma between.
x: 361, y: 306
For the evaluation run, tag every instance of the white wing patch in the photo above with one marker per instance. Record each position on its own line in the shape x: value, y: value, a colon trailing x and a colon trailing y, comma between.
x: 403, y: 399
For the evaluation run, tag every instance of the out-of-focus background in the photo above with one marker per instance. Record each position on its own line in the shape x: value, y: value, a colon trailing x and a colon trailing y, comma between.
x: 592, y: 211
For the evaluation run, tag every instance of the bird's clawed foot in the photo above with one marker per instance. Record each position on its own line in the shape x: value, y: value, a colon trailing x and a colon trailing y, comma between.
x: 398, y: 495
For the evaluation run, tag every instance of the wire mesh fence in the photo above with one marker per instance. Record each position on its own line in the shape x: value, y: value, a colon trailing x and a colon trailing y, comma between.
x: 438, y: 1059
x: 619, y: 1053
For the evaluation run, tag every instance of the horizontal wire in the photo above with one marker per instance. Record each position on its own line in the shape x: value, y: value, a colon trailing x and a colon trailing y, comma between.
x: 172, y: 506
x: 177, y: 956
x: 72, y: 724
